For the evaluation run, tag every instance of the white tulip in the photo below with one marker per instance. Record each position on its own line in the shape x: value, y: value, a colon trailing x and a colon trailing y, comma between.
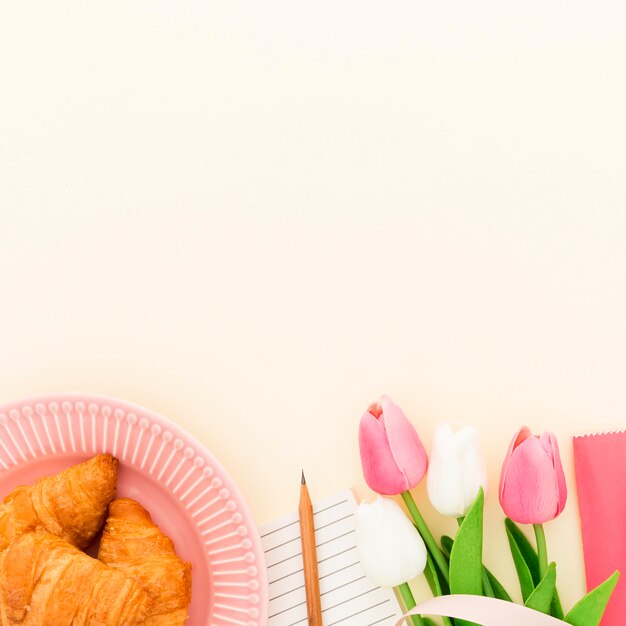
x: 391, y: 550
x: 456, y: 470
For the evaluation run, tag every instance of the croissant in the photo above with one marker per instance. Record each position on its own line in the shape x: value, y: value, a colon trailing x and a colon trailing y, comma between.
x: 132, y: 542
x: 71, y: 505
x: 44, y: 581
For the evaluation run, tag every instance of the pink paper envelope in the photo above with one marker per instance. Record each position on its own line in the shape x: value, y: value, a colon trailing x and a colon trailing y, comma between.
x: 601, y: 478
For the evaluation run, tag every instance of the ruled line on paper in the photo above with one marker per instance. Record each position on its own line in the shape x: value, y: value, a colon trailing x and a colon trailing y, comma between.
x: 348, y: 597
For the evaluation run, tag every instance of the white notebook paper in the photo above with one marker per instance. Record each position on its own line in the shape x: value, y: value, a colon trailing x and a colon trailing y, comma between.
x: 348, y: 597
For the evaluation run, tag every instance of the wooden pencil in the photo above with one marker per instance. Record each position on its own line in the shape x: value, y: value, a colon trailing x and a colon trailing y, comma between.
x: 309, y: 556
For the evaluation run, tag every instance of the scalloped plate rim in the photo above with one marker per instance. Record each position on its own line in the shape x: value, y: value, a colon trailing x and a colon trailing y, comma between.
x: 86, y: 397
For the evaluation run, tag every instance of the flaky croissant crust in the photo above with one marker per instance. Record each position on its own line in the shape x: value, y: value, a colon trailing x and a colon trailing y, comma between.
x: 71, y: 505
x: 46, y: 581
x: 132, y: 542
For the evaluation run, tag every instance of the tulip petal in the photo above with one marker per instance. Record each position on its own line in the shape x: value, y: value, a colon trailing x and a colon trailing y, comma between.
x: 379, y: 467
x: 529, y: 491
x: 406, y: 447
x: 445, y: 474
x: 456, y: 470
x: 560, y: 474
x: 474, y: 468
x: 389, y: 547
x: 375, y: 409
x: 546, y: 444
x: 521, y: 435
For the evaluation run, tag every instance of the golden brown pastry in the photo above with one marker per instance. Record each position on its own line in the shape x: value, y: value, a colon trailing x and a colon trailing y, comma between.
x: 44, y: 581
x: 71, y: 505
x: 132, y: 542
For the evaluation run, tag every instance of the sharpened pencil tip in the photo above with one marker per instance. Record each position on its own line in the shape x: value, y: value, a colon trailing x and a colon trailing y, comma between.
x: 303, y: 479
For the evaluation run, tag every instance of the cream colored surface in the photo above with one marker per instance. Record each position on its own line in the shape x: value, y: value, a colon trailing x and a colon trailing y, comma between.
x: 255, y: 217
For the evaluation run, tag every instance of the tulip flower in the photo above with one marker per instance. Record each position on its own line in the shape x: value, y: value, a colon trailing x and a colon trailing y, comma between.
x: 390, y: 549
x: 456, y: 471
x: 393, y: 456
x: 532, y: 484
x: 394, y: 461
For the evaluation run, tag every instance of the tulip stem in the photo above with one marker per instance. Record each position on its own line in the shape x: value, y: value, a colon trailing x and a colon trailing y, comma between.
x: 409, y: 603
x: 427, y: 536
x: 542, y: 549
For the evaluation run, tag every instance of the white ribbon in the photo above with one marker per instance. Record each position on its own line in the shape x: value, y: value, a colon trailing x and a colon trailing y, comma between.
x: 485, y: 611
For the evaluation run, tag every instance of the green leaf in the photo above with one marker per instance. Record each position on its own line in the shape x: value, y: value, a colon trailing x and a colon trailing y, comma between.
x: 466, y: 556
x: 446, y: 545
x: 466, y: 553
x: 428, y: 621
x: 588, y: 611
x: 432, y: 577
x: 524, y: 574
x: 526, y: 549
x: 541, y: 598
x: 499, y: 591
x: 529, y: 554
x: 436, y: 583
x: 556, y: 610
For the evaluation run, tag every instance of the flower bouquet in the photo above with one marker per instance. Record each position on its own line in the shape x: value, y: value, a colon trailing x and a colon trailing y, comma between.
x: 395, y: 549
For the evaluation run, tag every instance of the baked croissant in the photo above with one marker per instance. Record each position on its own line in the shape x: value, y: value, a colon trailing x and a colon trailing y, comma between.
x: 132, y: 542
x: 71, y: 505
x: 44, y: 581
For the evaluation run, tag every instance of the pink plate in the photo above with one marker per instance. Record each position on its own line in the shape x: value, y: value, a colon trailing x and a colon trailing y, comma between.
x: 188, y: 493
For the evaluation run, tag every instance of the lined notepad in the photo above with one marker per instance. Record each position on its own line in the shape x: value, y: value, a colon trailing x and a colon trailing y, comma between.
x: 348, y: 597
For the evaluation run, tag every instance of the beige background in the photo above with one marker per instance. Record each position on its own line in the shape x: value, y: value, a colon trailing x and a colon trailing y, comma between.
x: 255, y: 217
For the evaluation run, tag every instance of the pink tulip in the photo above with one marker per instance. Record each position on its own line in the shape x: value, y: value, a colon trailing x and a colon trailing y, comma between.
x: 532, y: 483
x: 392, y: 454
